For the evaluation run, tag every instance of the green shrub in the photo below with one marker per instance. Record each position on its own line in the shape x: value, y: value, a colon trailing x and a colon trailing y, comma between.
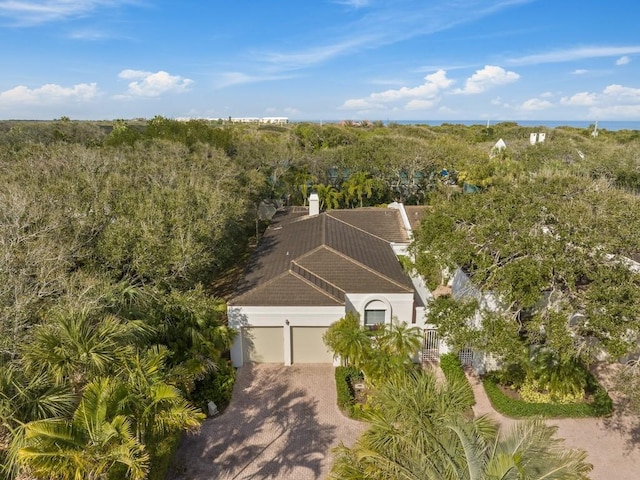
x: 452, y: 369
x: 161, y: 453
x: 216, y: 386
x: 600, y: 405
x: 345, y: 376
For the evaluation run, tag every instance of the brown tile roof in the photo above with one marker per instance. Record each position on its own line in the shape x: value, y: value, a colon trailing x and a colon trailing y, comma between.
x: 415, y: 213
x: 304, y: 260
x: 385, y: 223
x: 346, y: 274
x: 288, y: 290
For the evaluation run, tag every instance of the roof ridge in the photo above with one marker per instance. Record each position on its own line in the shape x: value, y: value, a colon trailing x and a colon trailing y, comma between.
x: 358, y: 228
x: 362, y: 265
x: 318, y: 276
x: 312, y: 285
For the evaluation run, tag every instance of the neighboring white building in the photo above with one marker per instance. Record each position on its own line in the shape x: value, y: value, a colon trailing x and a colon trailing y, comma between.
x: 312, y: 267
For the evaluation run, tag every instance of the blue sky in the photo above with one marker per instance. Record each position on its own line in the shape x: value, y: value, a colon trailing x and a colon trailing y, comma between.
x: 320, y: 59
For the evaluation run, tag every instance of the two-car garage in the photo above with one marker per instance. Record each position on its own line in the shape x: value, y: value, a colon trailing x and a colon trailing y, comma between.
x: 269, y: 345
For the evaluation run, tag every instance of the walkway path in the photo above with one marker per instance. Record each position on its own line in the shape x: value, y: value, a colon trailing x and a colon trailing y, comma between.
x: 612, y: 444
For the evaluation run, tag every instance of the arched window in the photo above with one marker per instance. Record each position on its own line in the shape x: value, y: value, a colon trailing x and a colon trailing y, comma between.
x: 375, y: 313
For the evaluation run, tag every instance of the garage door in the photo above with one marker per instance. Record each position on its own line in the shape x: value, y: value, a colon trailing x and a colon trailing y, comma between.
x: 308, y: 346
x: 263, y: 344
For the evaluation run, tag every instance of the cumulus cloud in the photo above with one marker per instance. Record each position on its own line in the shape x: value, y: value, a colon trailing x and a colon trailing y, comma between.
x: 421, y: 97
x: 49, y: 94
x: 622, y: 93
x: 488, y: 77
x: 614, y: 102
x: 623, y: 60
x: 535, y: 104
x: 579, y: 71
x: 579, y: 99
x: 149, y: 84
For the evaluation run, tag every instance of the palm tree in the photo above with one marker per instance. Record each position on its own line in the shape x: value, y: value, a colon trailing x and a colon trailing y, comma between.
x: 348, y: 340
x: 358, y: 185
x: 25, y: 398
x: 401, y: 340
x: 98, y: 441
x: 76, y: 346
x: 421, y: 429
x: 157, y: 407
x: 329, y: 196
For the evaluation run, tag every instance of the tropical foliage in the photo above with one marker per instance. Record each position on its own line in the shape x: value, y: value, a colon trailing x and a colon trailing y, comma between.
x: 114, y: 238
x: 420, y: 429
x: 378, y: 353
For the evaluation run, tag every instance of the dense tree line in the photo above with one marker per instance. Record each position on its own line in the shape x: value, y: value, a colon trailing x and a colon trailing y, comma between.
x: 112, y: 235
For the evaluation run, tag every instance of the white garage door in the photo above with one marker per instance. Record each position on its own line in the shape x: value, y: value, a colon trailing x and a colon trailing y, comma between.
x: 263, y: 344
x: 308, y: 346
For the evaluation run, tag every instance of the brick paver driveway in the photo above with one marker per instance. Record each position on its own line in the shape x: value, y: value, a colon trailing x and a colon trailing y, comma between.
x: 281, y: 424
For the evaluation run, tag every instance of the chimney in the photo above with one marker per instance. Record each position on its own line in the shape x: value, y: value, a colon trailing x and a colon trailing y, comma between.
x: 314, y: 204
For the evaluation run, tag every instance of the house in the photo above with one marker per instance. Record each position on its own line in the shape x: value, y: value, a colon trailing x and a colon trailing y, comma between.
x: 312, y: 267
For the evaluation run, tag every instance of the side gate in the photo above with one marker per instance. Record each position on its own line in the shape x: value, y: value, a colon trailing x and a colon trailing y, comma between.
x: 430, y: 346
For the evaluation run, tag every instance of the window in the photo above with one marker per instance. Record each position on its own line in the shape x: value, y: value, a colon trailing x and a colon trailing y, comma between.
x: 374, y: 317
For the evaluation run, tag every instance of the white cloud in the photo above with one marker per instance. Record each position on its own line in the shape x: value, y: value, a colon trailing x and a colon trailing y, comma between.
x: 49, y: 94
x: 614, y: 102
x: 582, y: 99
x: 353, y: 3
x: 415, y: 97
x: 580, y: 71
x: 572, y: 54
x: 623, y: 60
x: 35, y: 12
x: 546, y: 95
x: 622, y: 93
x: 486, y: 78
x: 416, y: 104
x: 434, y: 84
x: 361, y: 104
x: 148, y: 84
x: 229, y: 79
x: 386, y: 23
x: 534, y: 104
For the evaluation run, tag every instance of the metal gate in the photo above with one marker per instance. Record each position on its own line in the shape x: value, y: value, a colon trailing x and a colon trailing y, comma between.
x: 466, y: 356
x: 430, y: 347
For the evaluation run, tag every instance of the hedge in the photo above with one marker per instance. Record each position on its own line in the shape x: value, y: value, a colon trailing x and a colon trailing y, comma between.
x: 345, y: 393
x: 601, y: 405
x: 452, y: 369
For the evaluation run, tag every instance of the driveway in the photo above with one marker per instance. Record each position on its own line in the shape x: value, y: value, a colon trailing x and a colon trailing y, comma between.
x: 282, y: 423
x: 612, y: 444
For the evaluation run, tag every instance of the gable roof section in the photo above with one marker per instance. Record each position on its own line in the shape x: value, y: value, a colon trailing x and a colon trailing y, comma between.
x: 290, y: 290
x: 303, y: 260
x: 384, y: 223
x: 347, y: 275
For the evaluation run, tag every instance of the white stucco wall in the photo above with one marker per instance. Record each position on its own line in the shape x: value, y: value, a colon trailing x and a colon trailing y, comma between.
x: 400, y: 305
x: 286, y: 317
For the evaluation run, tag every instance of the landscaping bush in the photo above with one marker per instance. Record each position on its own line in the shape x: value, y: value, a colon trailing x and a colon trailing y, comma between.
x: 216, y: 386
x: 161, y: 453
x: 452, y: 369
x: 345, y: 376
x: 600, y: 404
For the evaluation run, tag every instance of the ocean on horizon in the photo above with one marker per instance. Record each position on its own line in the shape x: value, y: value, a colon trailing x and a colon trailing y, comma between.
x: 602, y: 124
